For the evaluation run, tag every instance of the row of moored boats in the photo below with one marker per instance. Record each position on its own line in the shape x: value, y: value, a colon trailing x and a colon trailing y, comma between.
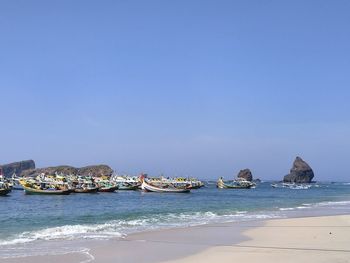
x: 67, y: 184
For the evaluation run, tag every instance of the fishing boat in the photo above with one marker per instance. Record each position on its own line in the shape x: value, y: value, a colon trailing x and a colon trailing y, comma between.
x: 292, y: 186
x: 5, y: 188
x: 127, y: 186
x: 106, y: 186
x: 85, y: 188
x: 161, y: 188
x: 125, y: 182
x: 237, y: 184
x: 15, y: 185
x: 85, y: 184
x: 44, y: 188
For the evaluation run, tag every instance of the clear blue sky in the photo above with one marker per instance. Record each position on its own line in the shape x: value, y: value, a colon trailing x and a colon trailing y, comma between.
x: 200, y: 88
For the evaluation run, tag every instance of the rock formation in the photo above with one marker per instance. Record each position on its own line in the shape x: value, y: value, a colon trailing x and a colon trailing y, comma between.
x: 245, y: 174
x: 93, y: 170
x: 64, y: 169
x: 17, y: 167
x: 96, y: 170
x: 301, y: 172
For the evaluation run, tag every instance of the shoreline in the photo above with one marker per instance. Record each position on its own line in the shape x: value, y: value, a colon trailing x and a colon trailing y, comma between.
x: 204, y: 243
x: 306, y: 239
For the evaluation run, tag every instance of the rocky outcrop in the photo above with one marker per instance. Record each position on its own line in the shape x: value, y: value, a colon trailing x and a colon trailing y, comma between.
x: 245, y: 174
x: 96, y: 170
x: 17, y: 167
x: 301, y: 172
x: 93, y: 170
x: 63, y: 169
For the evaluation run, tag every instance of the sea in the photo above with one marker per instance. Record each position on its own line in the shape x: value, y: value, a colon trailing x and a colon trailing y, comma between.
x: 38, y: 224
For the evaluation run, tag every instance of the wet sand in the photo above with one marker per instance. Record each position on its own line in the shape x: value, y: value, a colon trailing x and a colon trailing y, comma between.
x: 311, y: 239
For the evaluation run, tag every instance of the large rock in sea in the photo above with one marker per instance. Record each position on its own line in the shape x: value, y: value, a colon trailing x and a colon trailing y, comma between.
x: 301, y: 172
x: 92, y: 170
x: 245, y: 174
x: 17, y: 167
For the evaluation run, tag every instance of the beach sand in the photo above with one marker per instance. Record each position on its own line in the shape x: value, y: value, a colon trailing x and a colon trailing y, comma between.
x: 311, y: 239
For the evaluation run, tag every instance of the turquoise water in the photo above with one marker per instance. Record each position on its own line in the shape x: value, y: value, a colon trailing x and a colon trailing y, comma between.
x: 30, y: 218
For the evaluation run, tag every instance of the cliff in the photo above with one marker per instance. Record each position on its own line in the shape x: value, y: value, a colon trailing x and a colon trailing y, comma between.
x: 93, y: 170
x: 17, y: 167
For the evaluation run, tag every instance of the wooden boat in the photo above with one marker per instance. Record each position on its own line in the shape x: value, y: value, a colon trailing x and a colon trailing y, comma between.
x: 85, y: 186
x: 106, y: 186
x: 107, y: 189
x: 86, y: 190
x: 5, y: 188
x: 235, y: 184
x: 4, y: 191
x: 32, y: 190
x: 166, y: 188
x: 127, y: 186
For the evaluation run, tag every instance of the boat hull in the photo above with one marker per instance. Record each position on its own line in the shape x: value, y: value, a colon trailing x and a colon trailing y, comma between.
x: 225, y: 186
x: 32, y: 191
x: 150, y: 188
x: 85, y: 191
x: 127, y: 187
x: 108, y: 189
x: 4, y: 191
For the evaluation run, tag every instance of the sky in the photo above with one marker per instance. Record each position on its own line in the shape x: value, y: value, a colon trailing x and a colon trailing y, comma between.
x: 183, y: 88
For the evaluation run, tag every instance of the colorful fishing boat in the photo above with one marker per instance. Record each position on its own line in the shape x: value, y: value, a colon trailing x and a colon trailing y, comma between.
x: 85, y: 185
x: 106, y: 186
x: 36, y: 187
x: 161, y: 187
x: 85, y: 189
x: 127, y: 186
x: 126, y: 182
x: 241, y: 184
x: 5, y: 187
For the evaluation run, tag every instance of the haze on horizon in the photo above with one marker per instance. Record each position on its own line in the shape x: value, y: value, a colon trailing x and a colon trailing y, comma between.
x: 201, y: 88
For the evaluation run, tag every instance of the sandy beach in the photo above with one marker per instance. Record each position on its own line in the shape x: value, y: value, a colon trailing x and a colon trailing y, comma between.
x: 311, y: 239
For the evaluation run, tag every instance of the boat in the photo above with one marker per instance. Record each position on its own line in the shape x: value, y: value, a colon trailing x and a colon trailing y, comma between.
x: 5, y: 188
x: 45, y: 188
x: 236, y: 184
x: 161, y: 188
x: 85, y: 184
x: 126, y: 182
x: 127, y: 186
x: 106, y: 186
x: 85, y: 188
x: 292, y: 186
x: 4, y: 191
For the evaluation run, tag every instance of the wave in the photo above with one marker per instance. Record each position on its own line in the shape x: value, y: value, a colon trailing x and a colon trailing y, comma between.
x: 286, y: 208
x: 121, y: 228
x: 333, y: 203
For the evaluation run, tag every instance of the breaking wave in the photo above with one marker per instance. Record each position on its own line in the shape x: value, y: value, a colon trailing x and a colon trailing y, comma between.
x: 120, y: 228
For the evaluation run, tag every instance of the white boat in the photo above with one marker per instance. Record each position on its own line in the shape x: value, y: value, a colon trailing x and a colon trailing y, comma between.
x: 161, y: 188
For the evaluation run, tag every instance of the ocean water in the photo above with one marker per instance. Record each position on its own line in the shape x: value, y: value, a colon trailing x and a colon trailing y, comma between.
x: 28, y: 220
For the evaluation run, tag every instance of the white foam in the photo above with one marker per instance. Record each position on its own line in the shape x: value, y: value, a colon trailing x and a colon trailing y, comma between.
x: 333, y: 203
x: 119, y: 228
x: 286, y: 208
